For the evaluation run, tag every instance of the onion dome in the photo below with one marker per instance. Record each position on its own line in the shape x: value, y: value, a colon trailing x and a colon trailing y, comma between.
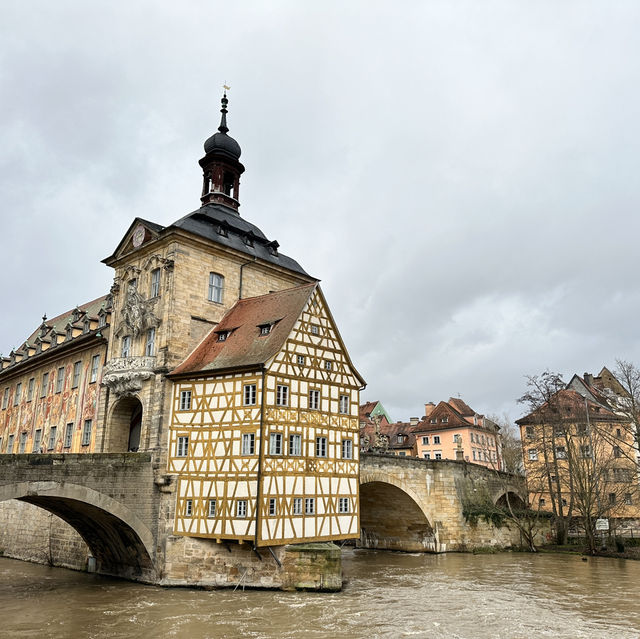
x: 220, y: 143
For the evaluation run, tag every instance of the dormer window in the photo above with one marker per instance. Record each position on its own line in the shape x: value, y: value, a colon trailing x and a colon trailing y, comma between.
x: 433, y: 420
x: 273, y: 247
x: 265, y: 329
x: 222, y: 230
x: 69, y: 333
x: 400, y: 438
x: 86, y: 327
x: 445, y: 420
x: 102, y: 320
x: 222, y: 336
x: 248, y: 240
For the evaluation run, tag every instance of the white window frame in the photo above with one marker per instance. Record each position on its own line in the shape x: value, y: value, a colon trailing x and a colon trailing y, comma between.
x: 30, y: 388
x: 95, y: 365
x: 155, y: 283
x: 216, y: 288
x: 60, y: 380
x: 16, y: 397
x: 45, y: 385
x: 297, y: 506
x: 314, y: 399
x: 182, y: 446
x: 295, y: 444
x: 532, y: 454
x: 282, y: 395
x: 185, y: 400
x: 343, y: 405
x: 86, y: 432
x: 301, y: 360
x: 321, y: 446
x: 211, y: 508
x: 150, y: 346
x: 53, y: 436
x: 328, y: 365
x: 10, y: 443
x: 77, y: 371
x: 436, y: 439
x: 68, y: 435
x: 241, y: 508
x: 273, y: 510
x: 275, y: 444
x: 347, y: 449
x: 249, y: 394
x: 437, y: 454
x: 188, y: 507
x: 309, y: 505
x: 425, y: 440
x: 248, y: 443
x: 37, y: 441
x: 427, y: 455
x: 5, y: 398
x: 344, y: 505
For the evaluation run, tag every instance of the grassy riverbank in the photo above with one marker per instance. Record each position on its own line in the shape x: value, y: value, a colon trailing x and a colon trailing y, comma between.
x: 618, y: 548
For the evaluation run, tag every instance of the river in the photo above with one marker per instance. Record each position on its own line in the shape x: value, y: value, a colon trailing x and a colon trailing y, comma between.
x: 387, y: 595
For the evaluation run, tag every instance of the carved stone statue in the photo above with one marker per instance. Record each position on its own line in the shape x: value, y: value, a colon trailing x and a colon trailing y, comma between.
x: 136, y: 315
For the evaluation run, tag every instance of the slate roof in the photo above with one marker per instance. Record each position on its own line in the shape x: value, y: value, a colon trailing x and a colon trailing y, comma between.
x: 244, y: 346
x: 210, y: 219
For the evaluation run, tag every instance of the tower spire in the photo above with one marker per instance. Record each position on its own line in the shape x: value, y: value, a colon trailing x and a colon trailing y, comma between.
x: 223, y: 128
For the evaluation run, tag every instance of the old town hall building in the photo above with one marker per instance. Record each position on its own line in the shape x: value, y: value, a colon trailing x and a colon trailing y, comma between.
x: 217, y: 353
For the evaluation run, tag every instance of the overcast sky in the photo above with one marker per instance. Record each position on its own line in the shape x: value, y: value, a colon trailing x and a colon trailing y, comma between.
x: 462, y: 176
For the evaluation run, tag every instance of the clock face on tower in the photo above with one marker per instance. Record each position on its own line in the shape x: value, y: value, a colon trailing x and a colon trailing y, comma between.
x: 138, y: 236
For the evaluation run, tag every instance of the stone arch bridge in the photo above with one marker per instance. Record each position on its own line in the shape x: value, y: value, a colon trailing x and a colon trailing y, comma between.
x: 110, y: 499
x: 413, y: 504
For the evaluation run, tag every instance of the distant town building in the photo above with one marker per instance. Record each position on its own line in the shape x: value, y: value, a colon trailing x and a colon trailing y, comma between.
x: 453, y: 430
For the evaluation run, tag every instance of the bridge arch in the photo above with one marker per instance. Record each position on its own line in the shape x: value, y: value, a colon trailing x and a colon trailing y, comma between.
x: 510, y: 497
x: 120, y: 542
x: 124, y: 425
x: 391, y: 516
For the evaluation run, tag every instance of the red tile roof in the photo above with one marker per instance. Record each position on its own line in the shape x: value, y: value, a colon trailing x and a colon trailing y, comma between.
x: 244, y: 346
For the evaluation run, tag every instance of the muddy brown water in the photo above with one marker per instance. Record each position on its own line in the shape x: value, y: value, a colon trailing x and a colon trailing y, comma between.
x: 508, y: 595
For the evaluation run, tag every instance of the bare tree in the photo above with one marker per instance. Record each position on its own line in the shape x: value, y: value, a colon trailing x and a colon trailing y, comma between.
x: 511, y: 445
x: 542, y: 425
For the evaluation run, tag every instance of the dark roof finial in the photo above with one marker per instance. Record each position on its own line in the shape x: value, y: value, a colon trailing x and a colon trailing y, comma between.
x: 223, y: 128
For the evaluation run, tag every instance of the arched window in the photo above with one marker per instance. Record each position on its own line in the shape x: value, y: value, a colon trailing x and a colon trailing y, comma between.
x: 216, y: 287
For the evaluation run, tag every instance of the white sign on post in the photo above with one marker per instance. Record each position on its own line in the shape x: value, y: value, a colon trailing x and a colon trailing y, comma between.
x: 602, y: 524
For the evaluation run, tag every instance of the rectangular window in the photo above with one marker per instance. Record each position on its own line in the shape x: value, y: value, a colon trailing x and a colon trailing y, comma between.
x: 265, y: 329
x: 212, y: 508
x: 10, y: 444
x: 183, y: 447
x: 125, y: 349
x: 437, y: 454
x: 347, y: 449
x: 474, y: 454
x: 343, y: 407
x: 95, y: 364
x: 37, y: 439
x: 445, y: 420
x: 249, y: 395
x: 16, y: 397
x: 542, y: 502
x: 627, y: 499
x: 248, y: 443
x: 150, y: 346
x: 436, y: 439
x: 30, y: 387
x: 343, y: 505
x: 295, y: 445
x: 188, y: 507
x: 23, y: 441
x: 86, y: 432
x: 77, y: 369
x: 309, y: 505
x: 60, y: 380
x: 328, y: 365
x: 282, y: 395
x: 275, y: 444
x: 617, y: 451
x: 297, y: 505
x: 52, y: 437
x: 561, y: 452
x: 68, y: 435
x: 533, y: 454
x: 45, y: 384
x: 5, y: 398
x: 300, y: 360
x: 216, y: 287
x: 272, y: 506
x: 315, y: 329
x: 241, y: 508
x: 612, y: 498
x: 314, y: 399
x: 185, y: 400
x: 425, y: 440
x: 321, y: 446
x: 155, y: 283
x: 428, y: 456
x: 585, y: 451
x: 529, y: 432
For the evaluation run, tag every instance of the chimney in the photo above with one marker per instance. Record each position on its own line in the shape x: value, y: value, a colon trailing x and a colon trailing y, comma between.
x: 588, y: 379
x: 428, y: 409
x: 414, y: 421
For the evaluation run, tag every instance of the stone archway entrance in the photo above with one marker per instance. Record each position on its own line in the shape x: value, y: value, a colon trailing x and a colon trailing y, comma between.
x: 125, y: 426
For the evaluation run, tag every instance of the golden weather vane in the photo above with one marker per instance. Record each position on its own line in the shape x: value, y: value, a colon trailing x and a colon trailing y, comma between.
x: 225, y: 87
